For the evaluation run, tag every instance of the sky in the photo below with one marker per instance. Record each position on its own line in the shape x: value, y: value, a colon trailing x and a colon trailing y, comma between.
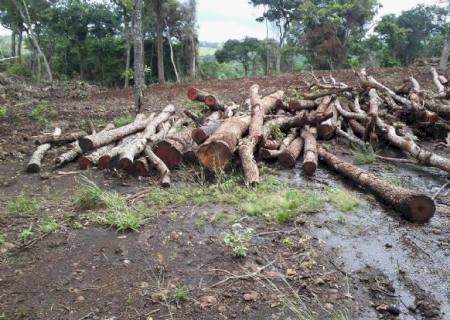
x: 220, y: 20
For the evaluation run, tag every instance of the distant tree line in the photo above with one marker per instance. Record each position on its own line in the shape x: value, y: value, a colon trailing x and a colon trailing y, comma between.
x: 96, y: 40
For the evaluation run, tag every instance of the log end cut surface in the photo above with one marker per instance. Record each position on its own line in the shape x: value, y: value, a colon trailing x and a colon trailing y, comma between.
x: 33, y: 168
x: 215, y: 155
x: 418, y: 208
x: 103, y: 162
x: 199, y: 135
x: 85, y: 143
x: 85, y: 163
x: 309, y: 167
x: 168, y: 154
x: 287, y: 160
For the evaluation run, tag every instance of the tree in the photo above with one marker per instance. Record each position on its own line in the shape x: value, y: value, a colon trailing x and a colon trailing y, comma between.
x: 244, y: 52
x: 446, y: 50
x: 139, y: 82
x: 158, y: 8
x: 281, y: 13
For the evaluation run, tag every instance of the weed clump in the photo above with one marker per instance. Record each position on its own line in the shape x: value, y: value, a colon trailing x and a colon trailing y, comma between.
x: 23, y: 205
x: 344, y: 200
x: 363, y: 155
x: 238, y: 240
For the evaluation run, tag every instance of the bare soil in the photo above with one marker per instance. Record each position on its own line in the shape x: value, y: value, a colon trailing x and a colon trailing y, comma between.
x: 366, y: 264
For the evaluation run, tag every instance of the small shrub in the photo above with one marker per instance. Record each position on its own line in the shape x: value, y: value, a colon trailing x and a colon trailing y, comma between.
x: 276, y: 132
x: 123, y: 120
x: 38, y: 112
x: 180, y: 295
x: 26, y: 234
x: 363, y: 155
x: 23, y: 204
x: 49, y: 225
x: 238, y: 240
x: 3, y: 111
x: 88, y: 196
x: 343, y: 199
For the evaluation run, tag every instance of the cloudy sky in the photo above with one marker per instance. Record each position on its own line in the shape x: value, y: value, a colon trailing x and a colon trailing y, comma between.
x: 221, y: 20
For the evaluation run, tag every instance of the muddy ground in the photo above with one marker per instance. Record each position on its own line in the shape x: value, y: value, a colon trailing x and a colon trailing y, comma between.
x: 367, y: 263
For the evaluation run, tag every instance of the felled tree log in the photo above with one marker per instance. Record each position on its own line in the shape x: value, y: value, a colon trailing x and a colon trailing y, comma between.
x: 297, y: 105
x: 304, y: 118
x: 164, y: 172
x: 104, y: 162
x: 61, y: 139
x: 141, y: 167
x: 214, y: 103
x: 438, y: 84
x: 196, y: 94
x: 210, y: 125
x: 276, y: 150
x: 216, y: 152
x: 288, y: 157
x: 327, y: 129
x: 92, y: 158
x: 131, y: 150
x: 248, y: 145
x: 310, y: 150
x: 374, y: 105
x: 100, y: 139
x: 171, y: 149
x: 34, y: 165
x: 70, y: 155
x: 414, y: 206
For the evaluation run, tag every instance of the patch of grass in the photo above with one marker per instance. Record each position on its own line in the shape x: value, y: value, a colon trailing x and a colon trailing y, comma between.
x: 2, y: 238
x: 123, y: 120
x: 341, y: 218
x: 276, y: 132
x: 3, y: 111
x: 23, y: 205
x: 49, y: 225
x: 38, y: 112
x: 117, y: 213
x: 271, y: 199
x: 363, y: 155
x: 26, y: 234
x: 238, y: 240
x: 181, y: 295
x: 344, y: 200
x: 395, y: 181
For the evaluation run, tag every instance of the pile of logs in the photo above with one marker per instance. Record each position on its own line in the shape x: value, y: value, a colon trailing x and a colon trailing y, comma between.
x: 276, y: 128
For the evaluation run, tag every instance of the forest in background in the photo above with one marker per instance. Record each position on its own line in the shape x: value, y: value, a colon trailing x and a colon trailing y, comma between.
x: 92, y: 40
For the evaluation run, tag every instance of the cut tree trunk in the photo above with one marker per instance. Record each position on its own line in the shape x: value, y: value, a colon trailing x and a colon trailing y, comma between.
x: 216, y: 152
x: 141, y: 167
x: 214, y: 103
x: 288, y: 157
x: 164, y: 172
x: 34, y: 165
x: 414, y: 206
x: 210, y: 125
x: 310, y: 153
x: 105, y: 161
x: 69, y: 156
x: 327, y: 129
x: 95, y: 141
x: 374, y: 105
x: 61, y: 139
x: 131, y: 150
x: 195, y: 94
x: 171, y: 149
x: 297, y: 105
x: 276, y: 150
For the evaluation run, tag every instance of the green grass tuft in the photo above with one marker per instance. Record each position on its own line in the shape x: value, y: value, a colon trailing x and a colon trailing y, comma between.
x: 238, y: 240
x: 23, y: 205
x: 2, y: 238
x: 26, y: 234
x: 123, y: 120
x: 3, y: 111
x: 181, y: 295
x: 363, y: 155
x: 276, y: 132
x: 38, y: 112
x: 342, y: 199
x: 49, y: 225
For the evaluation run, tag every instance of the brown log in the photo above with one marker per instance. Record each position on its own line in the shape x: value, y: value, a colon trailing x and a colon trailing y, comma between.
x: 316, y: 95
x: 92, y: 158
x: 327, y: 129
x: 304, y: 118
x: 141, y: 167
x: 214, y: 103
x: 414, y: 206
x: 288, y: 157
x: 310, y: 150
x: 210, y: 125
x: 131, y: 150
x: 297, y: 105
x: 34, y: 165
x: 374, y: 105
x: 61, y: 139
x: 196, y: 94
x: 105, y: 161
x: 273, y: 153
x: 437, y: 82
x: 70, y: 155
x: 164, y: 172
x: 171, y: 149
x: 100, y: 139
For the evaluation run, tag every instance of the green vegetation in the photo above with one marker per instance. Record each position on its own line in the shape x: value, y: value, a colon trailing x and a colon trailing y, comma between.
x: 3, y: 111
x: 2, y: 238
x: 26, y: 234
x: 344, y: 200
x: 272, y: 199
x: 38, y: 112
x: 23, y: 204
x: 115, y: 210
x: 123, y: 120
x: 49, y: 225
x: 206, y: 51
x: 276, y: 132
x: 181, y: 295
x: 363, y: 155
x: 238, y: 240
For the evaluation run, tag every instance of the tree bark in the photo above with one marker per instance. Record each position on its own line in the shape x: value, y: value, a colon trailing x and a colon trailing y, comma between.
x: 273, y: 151
x: 297, y: 105
x: 159, y: 39
x: 414, y: 206
x: 445, y: 52
x: 171, y: 149
x: 288, y: 157
x: 172, y: 59
x: 133, y: 149
x: 327, y: 129
x: 95, y: 141
x: 69, y: 156
x: 34, y: 165
x: 138, y: 45
x: 128, y: 49
x: 210, y: 125
x: 106, y: 160
x: 60, y: 140
x: 310, y: 153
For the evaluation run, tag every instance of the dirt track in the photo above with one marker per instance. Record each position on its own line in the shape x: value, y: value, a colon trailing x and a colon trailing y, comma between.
x: 344, y: 266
